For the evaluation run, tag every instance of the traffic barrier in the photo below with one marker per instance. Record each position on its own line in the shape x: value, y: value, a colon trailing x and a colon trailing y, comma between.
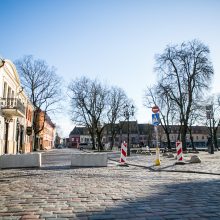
x: 8, y: 161
x: 157, y: 161
x: 123, y: 153
x: 179, y: 151
x: 89, y: 160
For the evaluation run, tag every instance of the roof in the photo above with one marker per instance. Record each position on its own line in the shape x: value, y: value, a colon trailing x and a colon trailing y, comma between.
x: 133, y: 127
x: 145, y: 128
x: 79, y: 131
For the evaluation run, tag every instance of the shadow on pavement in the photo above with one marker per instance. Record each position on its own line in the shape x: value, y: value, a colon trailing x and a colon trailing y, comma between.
x: 198, y: 200
x: 59, y: 167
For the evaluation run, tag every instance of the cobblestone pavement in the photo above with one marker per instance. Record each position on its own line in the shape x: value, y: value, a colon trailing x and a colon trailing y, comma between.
x: 113, y: 192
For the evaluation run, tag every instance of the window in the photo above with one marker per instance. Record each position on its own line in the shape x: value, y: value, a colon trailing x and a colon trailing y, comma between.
x: 5, y: 89
x: 133, y: 140
x: 9, y: 92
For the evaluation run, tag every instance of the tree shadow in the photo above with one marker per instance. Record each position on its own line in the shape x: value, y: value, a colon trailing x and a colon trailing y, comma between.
x: 187, y: 200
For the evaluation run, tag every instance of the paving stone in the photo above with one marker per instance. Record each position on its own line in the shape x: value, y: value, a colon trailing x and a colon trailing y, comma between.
x: 113, y: 192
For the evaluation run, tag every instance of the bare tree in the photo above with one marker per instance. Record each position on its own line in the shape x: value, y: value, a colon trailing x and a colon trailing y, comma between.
x: 155, y: 96
x: 213, y: 117
x: 117, y: 99
x: 89, y: 104
x: 196, y: 116
x: 185, y: 72
x: 43, y: 87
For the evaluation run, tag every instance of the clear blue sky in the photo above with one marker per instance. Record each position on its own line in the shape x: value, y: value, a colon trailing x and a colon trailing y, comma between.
x: 115, y: 40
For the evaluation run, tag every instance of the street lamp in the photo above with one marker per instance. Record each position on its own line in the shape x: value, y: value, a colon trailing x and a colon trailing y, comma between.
x: 210, y: 116
x: 129, y: 111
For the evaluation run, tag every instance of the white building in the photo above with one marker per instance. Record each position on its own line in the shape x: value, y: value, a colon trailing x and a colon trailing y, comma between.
x: 15, y: 110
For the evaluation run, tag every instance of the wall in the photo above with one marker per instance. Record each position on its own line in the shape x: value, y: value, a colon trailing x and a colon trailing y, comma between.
x: 10, y: 87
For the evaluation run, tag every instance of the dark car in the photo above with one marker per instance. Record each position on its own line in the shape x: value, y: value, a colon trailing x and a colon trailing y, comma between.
x: 60, y: 146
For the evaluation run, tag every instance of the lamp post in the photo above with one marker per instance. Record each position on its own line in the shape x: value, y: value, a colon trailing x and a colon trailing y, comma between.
x: 210, y: 116
x: 129, y: 111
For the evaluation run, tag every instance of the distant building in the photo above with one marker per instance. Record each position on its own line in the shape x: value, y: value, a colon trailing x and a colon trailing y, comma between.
x: 46, y: 136
x: 140, y: 135
x: 79, y: 135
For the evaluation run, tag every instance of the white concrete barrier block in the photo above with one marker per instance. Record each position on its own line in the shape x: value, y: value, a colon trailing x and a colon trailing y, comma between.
x: 20, y: 160
x: 89, y: 160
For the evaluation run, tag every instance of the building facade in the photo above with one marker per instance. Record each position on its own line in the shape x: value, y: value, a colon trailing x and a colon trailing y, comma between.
x: 46, y: 136
x: 29, y: 135
x: 79, y: 135
x: 141, y: 135
x: 14, y: 108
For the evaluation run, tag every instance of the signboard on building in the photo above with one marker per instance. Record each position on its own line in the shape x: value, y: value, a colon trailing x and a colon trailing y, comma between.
x: 29, y: 131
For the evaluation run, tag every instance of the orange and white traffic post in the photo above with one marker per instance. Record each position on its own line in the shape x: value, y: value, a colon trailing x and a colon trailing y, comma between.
x: 123, y: 153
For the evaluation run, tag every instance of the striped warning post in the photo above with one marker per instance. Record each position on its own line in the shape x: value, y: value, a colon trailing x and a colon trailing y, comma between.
x: 123, y: 152
x: 179, y: 151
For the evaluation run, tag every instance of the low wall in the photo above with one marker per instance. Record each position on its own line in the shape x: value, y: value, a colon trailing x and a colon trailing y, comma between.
x: 89, y: 160
x: 20, y: 160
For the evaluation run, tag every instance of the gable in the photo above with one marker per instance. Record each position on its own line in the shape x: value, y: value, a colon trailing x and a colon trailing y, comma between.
x: 10, y: 69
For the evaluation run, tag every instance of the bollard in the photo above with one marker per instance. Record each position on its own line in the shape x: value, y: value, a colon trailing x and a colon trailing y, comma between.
x: 123, y: 153
x: 179, y: 151
x: 157, y: 161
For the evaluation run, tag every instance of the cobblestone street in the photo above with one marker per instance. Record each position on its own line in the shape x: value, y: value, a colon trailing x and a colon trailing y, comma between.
x: 57, y: 191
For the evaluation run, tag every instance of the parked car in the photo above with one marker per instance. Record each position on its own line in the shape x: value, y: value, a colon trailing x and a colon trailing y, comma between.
x: 60, y: 146
x: 85, y: 146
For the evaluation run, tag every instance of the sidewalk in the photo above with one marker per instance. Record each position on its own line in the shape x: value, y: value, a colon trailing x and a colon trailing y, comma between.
x: 210, y: 163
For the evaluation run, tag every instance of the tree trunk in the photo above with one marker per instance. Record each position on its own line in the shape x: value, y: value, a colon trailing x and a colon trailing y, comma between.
x: 215, y: 138
x: 191, y: 138
x: 93, y: 143
x: 36, y: 143
x: 112, y: 141
x: 168, y: 140
x: 99, y: 139
x: 192, y: 142
x: 183, y: 139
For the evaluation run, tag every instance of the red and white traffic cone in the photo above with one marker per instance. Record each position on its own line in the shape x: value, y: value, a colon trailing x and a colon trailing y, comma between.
x: 179, y: 151
x: 123, y: 153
